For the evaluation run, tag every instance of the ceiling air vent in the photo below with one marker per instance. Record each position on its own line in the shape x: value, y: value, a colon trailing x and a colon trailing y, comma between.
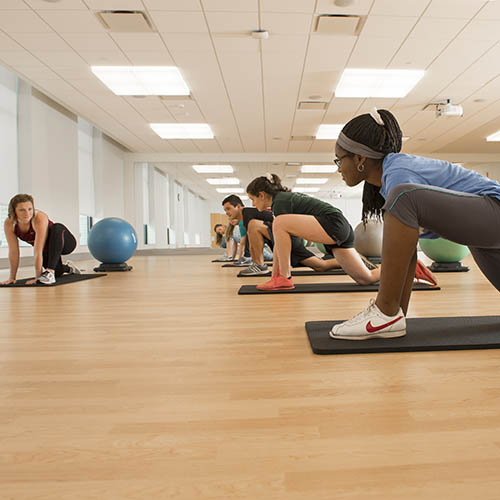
x: 315, y: 105
x: 125, y: 21
x: 338, y: 24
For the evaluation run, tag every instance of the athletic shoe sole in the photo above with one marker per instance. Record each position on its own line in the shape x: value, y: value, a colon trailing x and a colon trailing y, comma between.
x: 382, y: 335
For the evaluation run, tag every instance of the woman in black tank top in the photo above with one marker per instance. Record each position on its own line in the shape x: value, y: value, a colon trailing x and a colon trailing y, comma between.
x: 49, y: 240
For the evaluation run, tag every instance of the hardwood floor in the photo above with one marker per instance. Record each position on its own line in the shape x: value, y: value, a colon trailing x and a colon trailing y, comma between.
x: 164, y: 383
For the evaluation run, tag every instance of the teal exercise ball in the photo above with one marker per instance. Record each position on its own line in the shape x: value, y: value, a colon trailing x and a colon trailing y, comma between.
x: 320, y: 247
x: 112, y: 241
x: 441, y: 250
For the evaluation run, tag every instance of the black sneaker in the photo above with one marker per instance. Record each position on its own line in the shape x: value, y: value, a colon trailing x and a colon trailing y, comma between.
x: 255, y: 270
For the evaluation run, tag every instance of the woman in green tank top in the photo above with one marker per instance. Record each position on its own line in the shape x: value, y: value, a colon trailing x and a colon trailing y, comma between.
x: 297, y: 214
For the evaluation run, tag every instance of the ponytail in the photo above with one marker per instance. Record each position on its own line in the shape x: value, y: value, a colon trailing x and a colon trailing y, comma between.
x: 269, y: 184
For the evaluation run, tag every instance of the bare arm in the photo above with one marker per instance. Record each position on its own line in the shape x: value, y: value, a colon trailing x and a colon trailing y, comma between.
x: 13, y: 251
x: 41, y: 227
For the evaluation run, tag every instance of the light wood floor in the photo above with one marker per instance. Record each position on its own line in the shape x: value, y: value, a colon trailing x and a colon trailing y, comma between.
x: 164, y: 383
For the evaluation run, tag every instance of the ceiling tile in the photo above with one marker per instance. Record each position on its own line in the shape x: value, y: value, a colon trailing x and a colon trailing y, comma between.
x: 184, y: 41
x: 22, y: 21
x: 41, y: 41
x: 37, y: 73
x: 399, y: 7
x: 150, y: 58
x: 236, y: 43
x: 54, y: 58
x: 72, y: 21
x: 97, y: 41
x: 490, y: 10
x: 232, y: 22
x: 457, y: 9
x: 13, y: 5
x: 60, y: 5
x: 104, y: 58
x: 6, y: 43
x: 179, y: 22
x: 414, y: 54
x: 285, y: 43
x: 388, y: 26
x: 173, y: 5
x: 230, y: 5
x: 138, y: 42
x: 304, y: 6
x: 437, y: 29
x: 373, y: 52
x: 287, y: 23
x: 328, y: 53
x: 115, y: 4
x: 481, y: 29
x: 15, y: 58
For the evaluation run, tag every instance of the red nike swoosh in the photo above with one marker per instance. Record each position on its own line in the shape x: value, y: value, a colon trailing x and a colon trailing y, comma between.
x: 372, y: 329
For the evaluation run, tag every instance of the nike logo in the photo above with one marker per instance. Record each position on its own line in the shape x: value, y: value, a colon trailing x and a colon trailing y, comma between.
x: 372, y: 329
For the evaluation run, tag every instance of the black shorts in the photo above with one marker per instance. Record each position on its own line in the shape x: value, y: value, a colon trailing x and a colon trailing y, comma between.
x: 339, y: 230
x: 299, y: 251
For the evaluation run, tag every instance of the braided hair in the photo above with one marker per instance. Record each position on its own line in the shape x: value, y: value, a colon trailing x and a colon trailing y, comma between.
x: 386, y: 138
x: 269, y: 183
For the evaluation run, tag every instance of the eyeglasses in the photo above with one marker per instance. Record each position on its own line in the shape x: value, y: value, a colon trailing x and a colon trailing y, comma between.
x: 338, y: 161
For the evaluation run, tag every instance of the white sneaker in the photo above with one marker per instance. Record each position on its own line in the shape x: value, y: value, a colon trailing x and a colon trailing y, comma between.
x: 73, y: 268
x: 369, y: 324
x: 47, y: 278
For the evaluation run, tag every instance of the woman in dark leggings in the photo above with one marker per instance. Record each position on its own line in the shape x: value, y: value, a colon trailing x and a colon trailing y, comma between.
x: 412, y: 192
x: 50, y: 241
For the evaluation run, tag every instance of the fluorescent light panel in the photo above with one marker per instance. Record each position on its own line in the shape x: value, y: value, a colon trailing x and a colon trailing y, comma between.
x: 142, y: 80
x: 494, y: 137
x: 329, y: 131
x: 230, y: 190
x: 213, y: 169
x: 311, y: 180
x: 319, y: 169
x: 305, y: 189
x: 183, y: 130
x: 377, y: 82
x: 224, y: 180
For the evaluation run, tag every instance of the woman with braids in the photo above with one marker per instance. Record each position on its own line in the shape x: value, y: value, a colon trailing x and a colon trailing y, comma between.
x: 297, y: 214
x: 412, y: 192
x: 50, y: 241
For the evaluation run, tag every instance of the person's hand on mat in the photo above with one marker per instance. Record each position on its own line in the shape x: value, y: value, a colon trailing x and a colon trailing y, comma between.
x: 31, y: 282
x: 8, y: 282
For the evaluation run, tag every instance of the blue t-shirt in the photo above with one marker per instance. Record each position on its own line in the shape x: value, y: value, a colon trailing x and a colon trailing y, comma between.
x: 398, y: 168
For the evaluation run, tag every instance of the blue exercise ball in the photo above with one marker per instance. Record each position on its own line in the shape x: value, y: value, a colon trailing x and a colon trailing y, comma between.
x: 112, y: 240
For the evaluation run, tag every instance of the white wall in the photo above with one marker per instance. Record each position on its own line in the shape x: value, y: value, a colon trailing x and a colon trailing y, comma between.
x: 48, y: 165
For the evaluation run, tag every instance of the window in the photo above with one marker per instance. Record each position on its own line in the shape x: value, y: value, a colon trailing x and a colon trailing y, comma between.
x: 3, y: 216
x: 85, y: 227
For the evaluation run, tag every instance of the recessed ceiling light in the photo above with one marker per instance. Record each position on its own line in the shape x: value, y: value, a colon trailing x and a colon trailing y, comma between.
x: 142, y: 80
x: 230, y: 190
x: 214, y: 169
x: 404, y: 138
x: 377, y: 82
x: 311, y: 180
x: 224, y: 181
x: 305, y: 190
x: 183, y: 130
x: 494, y: 137
x: 319, y: 169
x: 244, y: 197
x: 331, y: 131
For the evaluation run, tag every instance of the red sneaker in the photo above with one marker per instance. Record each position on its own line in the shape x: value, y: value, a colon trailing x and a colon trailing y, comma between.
x: 423, y: 273
x: 277, y: 283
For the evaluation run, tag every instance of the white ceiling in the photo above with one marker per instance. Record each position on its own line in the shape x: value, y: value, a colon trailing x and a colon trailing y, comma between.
x: 248, y: 90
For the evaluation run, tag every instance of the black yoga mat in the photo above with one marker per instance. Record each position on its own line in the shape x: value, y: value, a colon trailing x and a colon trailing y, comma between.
x: 422, y: 334
x: 326, y: 287
x: 309, y: 272
x: 62, y: 280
